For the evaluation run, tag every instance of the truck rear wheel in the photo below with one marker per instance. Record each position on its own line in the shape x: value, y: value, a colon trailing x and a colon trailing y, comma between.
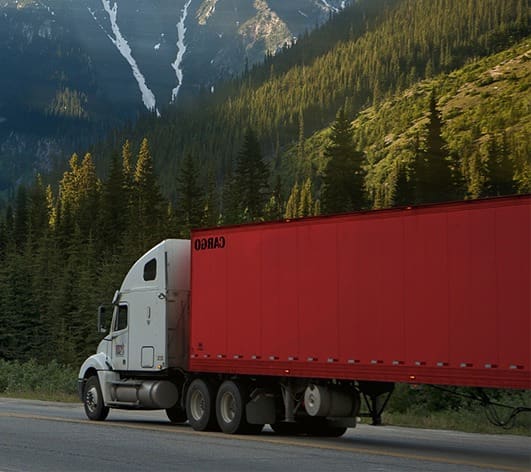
x: 230, y: 410
x: 200, y: 405
x: 95, y: 409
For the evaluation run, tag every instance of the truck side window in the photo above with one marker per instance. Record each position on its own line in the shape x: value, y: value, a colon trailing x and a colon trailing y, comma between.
x: 121, y: 318
x: 150, y: 270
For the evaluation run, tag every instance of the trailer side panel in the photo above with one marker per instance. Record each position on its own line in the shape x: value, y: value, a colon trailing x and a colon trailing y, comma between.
x: 437, y: 294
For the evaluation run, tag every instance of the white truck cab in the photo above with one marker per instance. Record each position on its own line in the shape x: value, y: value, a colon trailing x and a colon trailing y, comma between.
x: 147, y: 336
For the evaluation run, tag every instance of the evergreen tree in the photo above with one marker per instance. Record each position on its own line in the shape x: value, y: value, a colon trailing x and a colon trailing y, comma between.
x: 292, y: 206
x: 275, y: 207
x: 89, y: 188
x: 190, y: 200
x: 231, y: 212
x: 115, y: 208
x: 404, y: 192
x: 306, y: 203
x: 38, y: 210
x: 211, y: 202
x: 499, y: 167
x: 301, y: 153
x: 343, y: 176
x: 20, y: 230
x: 148, y: 203
x: 251, y: 178
x: 127, y: 170
x: 434, y: 181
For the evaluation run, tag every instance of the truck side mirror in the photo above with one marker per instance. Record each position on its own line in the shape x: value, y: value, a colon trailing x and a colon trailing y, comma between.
x: 101, y: 319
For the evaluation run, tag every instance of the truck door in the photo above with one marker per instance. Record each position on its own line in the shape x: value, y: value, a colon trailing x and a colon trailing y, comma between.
x: 120, y: 338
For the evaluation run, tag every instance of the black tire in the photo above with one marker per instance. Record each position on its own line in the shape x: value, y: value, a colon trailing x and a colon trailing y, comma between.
x: 200, y: 406
x: 176, y: 414
x: 95, y: 409
x: 230, y: 409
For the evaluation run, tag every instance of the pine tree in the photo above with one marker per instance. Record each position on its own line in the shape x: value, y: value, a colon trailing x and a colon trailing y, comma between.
x: 343, y: 176
x: 404, y: 192
x: 190, y: 200
x: 148, y: 203
x: 499, y: 167
x: 89, y: 188
x: 292, y: 206
x: 230, y: 211
x: 115, y: 208
x: 38, y: 210
x: 211, y: 208
x: 251, y: 178
x: 434, y: 182
x: 20, y: 230
x: 306, y: 203
x: 275, y: 206
x: 127, y: 169
x: 301, y: 152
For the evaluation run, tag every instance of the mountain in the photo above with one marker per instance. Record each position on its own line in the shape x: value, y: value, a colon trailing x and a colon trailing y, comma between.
x: 369, y: 52
x: 73, y: 69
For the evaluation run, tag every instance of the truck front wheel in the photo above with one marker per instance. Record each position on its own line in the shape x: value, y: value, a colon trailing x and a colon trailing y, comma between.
x: 95, y: 409
x: 200, y: 405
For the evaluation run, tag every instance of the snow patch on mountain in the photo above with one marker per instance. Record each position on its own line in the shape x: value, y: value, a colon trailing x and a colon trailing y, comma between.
x: 329, y: 7
x: 148, y: 98
x: 181, y: 49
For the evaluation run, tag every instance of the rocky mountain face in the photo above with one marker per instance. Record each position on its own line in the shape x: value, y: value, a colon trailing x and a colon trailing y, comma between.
x: 72, y: 69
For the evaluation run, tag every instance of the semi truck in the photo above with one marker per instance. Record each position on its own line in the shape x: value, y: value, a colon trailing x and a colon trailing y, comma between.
x: 294, y: 323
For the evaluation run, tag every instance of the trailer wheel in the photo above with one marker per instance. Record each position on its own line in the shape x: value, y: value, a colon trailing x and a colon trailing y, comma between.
x: 176, y: 414
x: 95, y: 409
x: 200, y: 405
x: 230, y: 410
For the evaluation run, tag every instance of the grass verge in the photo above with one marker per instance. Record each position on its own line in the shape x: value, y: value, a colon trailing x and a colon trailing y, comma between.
x: 30, y: 380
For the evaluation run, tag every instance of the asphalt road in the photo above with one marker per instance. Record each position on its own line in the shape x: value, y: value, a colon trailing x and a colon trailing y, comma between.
x: 43, y: 436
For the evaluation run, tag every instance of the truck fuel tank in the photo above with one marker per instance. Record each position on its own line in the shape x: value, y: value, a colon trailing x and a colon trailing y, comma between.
x: 147, y: 394
x: 320, y: 400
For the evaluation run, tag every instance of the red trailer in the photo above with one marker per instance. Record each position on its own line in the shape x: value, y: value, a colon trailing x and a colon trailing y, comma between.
x: 436, y: 294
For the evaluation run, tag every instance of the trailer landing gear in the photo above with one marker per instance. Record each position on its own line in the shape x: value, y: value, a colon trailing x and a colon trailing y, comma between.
x: 376, y: 396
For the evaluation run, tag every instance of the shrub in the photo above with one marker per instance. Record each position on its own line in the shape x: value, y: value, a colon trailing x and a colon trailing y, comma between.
x: 45, y: 381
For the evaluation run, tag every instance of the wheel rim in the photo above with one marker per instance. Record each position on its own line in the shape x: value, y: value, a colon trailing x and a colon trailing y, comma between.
x: 197, y: 405
x: 91, y: 399
x: 227, y: 407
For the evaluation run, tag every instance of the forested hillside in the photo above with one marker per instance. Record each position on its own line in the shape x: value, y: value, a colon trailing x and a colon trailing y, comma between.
x: 393, y: 102
x: 370, y: 52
